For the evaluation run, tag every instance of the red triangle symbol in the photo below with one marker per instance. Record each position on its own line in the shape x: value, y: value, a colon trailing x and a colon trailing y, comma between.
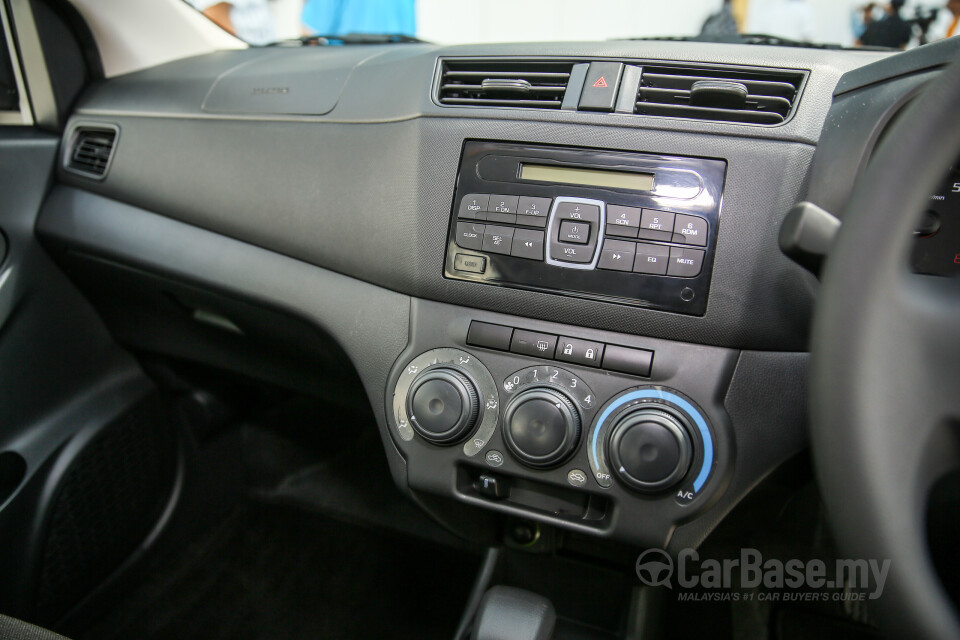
x: 602, y: 82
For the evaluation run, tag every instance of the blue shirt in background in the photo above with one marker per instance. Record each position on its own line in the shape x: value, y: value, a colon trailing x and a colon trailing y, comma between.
x: 340, y: 17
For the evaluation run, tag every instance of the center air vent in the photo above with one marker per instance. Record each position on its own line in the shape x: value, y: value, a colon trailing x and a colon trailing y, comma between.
x: 506, y: 83
x: 90, y: 150
x: 753, y: 96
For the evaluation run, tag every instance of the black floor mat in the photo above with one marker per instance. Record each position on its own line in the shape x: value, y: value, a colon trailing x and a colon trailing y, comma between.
x: 277, y: 572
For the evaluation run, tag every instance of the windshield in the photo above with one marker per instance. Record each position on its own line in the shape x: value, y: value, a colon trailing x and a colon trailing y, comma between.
x: 898, y: 25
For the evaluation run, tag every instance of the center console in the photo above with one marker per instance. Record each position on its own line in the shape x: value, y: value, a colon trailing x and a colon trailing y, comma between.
x: 597, y: 432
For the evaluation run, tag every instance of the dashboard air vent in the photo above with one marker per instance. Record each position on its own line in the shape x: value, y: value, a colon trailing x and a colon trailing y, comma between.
x: 91, y: 149
x: 504, y: 83
x: 752, y: 96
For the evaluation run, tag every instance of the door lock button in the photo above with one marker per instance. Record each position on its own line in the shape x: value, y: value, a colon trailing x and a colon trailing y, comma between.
x: 579, y: 352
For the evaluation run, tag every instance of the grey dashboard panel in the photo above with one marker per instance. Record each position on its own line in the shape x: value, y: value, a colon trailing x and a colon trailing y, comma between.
x: 373, y: 201
x: 914, y: 61
x: 285, y: 83
x: 369, y: 323
x: 866, y: 101
x: 395, y: 82
x: 857, y: 122
x: 366, y: 189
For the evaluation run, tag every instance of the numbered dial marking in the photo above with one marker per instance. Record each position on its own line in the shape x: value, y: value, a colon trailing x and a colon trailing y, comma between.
x: 570, y: 383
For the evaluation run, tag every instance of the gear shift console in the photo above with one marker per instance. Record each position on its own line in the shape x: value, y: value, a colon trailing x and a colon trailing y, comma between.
x: 507, y: 613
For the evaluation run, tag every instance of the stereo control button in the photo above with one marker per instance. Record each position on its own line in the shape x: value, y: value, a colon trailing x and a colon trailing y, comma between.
x: 528, y: 244
x: 470, y: 235
x: 621, y: 231
x: 572, y: 253
x: 474, y: 206
x: 575, y: 232
x: 531, y: 343
x: 503, y: 204
x: 617, y: 255
x: 580, y: 212
x: 623, y: 216
x: 470, y: 264
x: 690, y: 230
x: 532, y: 221
x: 685, y: 263
x: 656, y: 225
x: 502, y: 218
x: 539, y: 207
x: 498, y: 239
x: 652, y: 259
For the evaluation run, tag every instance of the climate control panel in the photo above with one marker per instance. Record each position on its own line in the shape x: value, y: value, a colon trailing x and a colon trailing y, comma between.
x: 523, y: 431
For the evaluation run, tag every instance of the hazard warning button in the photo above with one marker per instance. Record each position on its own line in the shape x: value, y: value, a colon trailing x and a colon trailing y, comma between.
x: 600, y: 87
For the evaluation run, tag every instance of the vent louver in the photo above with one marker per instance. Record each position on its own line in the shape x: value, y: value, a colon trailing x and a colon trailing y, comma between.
x: 712, y: 94
x: 504, y: 83
x: 91, y: 150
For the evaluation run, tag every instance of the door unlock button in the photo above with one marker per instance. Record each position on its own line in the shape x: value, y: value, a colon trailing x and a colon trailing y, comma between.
x: 579, y: 351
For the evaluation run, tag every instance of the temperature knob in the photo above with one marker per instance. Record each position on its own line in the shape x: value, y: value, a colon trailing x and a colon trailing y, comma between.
x: 650, y: 449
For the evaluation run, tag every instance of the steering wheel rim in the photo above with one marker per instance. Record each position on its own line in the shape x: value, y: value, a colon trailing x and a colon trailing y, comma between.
x: 886, y: 367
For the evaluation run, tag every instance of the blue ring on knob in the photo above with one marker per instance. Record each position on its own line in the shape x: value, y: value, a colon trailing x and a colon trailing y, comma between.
x: 679, y: 402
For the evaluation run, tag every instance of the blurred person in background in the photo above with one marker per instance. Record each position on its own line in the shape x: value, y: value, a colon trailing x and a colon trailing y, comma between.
x: 249, y: 20
x: 861, y: 18
x: 721, y: 23
x: 342, y: 17
x: 788, y: 19
x: 947, y: 22
x: 889, y: 31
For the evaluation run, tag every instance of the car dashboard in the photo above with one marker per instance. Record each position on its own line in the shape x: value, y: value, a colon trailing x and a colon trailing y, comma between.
x: 554, y: 268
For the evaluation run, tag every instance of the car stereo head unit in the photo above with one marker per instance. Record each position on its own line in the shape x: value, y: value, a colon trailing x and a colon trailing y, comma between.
x: 625, y: 227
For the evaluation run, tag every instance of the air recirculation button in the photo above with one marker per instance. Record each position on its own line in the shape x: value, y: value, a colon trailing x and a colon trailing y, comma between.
x: 650, y: 449
x: 443, y: 405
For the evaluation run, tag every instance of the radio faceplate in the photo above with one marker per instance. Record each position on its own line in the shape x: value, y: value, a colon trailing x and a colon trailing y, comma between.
x: 588, y: 236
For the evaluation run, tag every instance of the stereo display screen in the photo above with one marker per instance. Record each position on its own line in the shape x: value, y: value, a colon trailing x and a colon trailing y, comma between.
x: 587, y: 177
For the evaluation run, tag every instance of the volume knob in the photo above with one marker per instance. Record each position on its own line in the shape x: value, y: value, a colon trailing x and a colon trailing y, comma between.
x: 443, y: 405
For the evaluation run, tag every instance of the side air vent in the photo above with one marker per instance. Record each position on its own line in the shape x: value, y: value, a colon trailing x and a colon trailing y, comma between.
x: 752, y: 96
x: 91, y: 150
x: 504, y: 83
